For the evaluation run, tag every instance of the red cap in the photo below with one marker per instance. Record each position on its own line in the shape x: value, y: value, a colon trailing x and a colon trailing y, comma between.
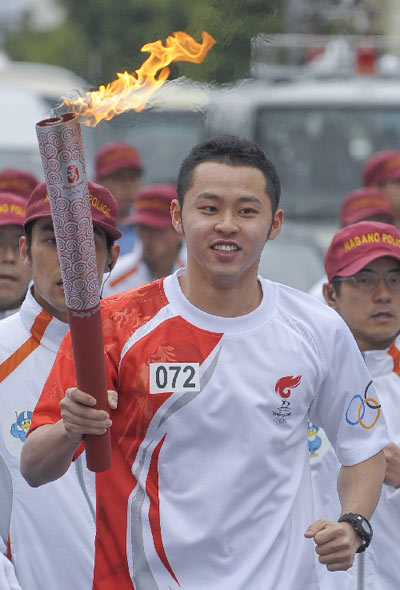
x: 115, y: 156
x: 356, y: 245
x: 12, y: 209
x: 382, y: 167
x: 104, y: 207
x: 365, y: 203
x: 152, y: 206
x: 19, y: 182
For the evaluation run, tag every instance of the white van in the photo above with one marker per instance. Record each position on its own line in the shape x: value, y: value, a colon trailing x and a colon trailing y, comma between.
x: 317, y: 125
x: 20, y: 110
x: 28, y: 93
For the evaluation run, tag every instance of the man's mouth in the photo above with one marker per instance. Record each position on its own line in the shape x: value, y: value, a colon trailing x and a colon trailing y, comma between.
x: 383, y: 315
x: 225, y: 248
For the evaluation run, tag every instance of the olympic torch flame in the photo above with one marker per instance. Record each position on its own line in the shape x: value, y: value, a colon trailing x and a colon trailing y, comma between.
x: 132, y: 91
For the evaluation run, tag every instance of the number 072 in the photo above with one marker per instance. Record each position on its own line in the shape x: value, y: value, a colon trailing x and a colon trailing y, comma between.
x: 165, y: 377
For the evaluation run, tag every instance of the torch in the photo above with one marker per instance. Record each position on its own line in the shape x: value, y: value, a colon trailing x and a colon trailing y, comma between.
x: 61, y: 150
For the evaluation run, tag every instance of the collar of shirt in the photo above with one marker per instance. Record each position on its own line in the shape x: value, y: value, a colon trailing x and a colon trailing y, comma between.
x: 54, y: 332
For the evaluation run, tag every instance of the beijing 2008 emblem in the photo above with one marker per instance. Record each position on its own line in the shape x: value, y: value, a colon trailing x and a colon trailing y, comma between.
x: 284, y: 387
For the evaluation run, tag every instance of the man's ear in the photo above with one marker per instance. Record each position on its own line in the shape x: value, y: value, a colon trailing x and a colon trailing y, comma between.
x: 23, y: 252
x: 115, y: 249
x: 176, y: 217
x: 276, y: 225
x: 330, y: 295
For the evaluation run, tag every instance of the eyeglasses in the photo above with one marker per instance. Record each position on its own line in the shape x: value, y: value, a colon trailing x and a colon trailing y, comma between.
x: 367, y: 280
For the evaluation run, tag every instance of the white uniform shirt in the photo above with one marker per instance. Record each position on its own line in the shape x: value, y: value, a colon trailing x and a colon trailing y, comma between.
x: 317, y: 289
x: 51, y: 528
x: 131, y: 271
x: 5, y: 314
x: 209, y: 438
x: 384, y: 551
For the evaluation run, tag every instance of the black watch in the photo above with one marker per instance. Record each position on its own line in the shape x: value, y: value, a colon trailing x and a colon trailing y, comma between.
x: 362, y: 526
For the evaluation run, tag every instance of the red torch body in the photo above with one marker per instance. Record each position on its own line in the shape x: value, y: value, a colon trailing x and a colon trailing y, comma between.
x: 61, y: 149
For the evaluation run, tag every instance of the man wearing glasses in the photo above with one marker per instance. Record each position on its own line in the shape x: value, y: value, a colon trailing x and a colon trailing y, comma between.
x: 363, y: 269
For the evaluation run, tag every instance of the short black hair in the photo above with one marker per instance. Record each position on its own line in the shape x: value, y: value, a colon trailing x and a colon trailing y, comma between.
x: 232, y: 150
x: 28, y: 234
x: 336, y: 283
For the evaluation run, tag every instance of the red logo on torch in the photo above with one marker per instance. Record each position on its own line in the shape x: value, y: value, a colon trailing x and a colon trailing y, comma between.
x: 73, y: 174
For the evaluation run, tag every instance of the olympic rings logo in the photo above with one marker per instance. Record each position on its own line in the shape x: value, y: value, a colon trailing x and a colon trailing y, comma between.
x: 364, y: 402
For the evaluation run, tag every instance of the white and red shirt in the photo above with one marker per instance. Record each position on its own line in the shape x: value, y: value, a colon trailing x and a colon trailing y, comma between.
x: 50, y: 529
x: 131, y: 271
x: 380, y: 557
x: 210, y: 481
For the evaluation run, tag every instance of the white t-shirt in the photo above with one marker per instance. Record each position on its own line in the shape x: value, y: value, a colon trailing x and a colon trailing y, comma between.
x: 51, y: 528
x: 317, y: 289
x: 380, y: 574
x: 210, y: 437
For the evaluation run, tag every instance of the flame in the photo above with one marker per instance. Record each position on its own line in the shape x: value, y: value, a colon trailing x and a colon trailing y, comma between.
x: 132, y: 91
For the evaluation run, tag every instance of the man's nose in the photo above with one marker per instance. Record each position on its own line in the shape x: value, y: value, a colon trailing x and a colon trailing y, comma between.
x: 8, y: 253
x: 227, y: 222
x: 382, y: 290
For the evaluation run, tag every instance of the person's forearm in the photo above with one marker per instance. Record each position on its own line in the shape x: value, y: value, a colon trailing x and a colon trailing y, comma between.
x: 359, y: 486
x: 47, y: 453
x: 392, y: 456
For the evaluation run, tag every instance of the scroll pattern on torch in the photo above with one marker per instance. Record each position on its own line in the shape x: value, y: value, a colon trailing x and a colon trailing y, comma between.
x: 61, y: 150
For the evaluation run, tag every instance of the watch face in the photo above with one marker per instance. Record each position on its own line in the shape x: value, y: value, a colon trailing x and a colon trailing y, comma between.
x: 366, y: 527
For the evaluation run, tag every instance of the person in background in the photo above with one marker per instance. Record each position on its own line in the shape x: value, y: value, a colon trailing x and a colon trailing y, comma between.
x: 366, y: 204
x: 216, y: 370
x: 119, y: 168
x: 159, y: 250
x: 363, y: 286
x: 14, y: 274
x: 51, y: 530
x: 382, y: 170
x: 17, y: 181
x: 362, y: 204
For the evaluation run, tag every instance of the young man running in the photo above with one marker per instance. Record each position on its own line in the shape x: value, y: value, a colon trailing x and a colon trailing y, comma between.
x: 217, y: 371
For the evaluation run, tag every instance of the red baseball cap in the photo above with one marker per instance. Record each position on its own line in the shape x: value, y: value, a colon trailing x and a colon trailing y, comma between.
x: 366, y: 203
x: 104, y: 207
x: 115, y: 156
x: 19, y: 182
x: 382, y: 167
x: 12, y: 209
x: 356, y: 245
x: 152, y: 206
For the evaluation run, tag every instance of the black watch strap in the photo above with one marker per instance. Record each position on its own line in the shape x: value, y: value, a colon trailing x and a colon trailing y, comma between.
x: 362, y: 526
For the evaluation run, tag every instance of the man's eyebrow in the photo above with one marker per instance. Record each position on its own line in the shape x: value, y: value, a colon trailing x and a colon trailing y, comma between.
x: 394, y: 266
x: 244, y: 199
x: 47, y: 227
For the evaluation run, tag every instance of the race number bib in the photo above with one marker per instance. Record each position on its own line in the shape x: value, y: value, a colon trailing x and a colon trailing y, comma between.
x: 165, y: 377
